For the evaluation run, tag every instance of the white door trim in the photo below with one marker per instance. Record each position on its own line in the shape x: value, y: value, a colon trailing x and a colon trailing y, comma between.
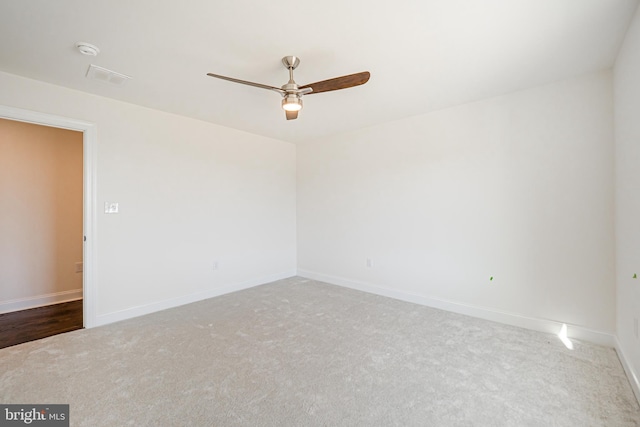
x: 89, y: 139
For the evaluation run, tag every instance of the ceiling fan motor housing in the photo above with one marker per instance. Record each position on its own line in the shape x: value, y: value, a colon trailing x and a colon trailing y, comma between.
x: 292, y: 102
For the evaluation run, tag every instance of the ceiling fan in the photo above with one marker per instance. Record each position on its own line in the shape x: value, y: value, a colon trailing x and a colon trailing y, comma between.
x: 292, y: 93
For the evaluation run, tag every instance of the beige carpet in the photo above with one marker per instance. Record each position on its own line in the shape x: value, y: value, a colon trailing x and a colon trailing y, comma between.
x: 303, y: 353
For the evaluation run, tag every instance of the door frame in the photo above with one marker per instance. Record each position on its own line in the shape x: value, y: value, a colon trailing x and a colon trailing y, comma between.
x: 89, y: 140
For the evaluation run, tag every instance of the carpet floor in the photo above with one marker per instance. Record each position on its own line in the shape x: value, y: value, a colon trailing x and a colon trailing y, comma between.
x: 303, y: 353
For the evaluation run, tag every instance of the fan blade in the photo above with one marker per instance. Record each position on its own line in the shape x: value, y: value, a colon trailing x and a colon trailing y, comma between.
x: 244, y: 82
x: 291, y: 115
x: 343, y: 82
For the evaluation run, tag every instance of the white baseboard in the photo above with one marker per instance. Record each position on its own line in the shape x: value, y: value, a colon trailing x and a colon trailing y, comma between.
x: 536, y: 324
x: 40, y: 301
x: 141, y: 310
x: 631, y: 375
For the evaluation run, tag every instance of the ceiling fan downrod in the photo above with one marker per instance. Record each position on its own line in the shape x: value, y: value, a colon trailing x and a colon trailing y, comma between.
x: 292, y: 101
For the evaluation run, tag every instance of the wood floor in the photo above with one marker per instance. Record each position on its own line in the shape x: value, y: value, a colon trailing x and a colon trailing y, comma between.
x: 28, y: 325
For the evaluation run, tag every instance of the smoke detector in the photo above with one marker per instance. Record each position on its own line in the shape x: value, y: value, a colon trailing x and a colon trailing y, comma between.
x: 87, y: 49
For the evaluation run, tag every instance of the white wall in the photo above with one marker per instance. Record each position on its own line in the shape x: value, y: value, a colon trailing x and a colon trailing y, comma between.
x: 518, y: 187
x: 40, y: 215
x: 190, y: 193
x: 627, y: 182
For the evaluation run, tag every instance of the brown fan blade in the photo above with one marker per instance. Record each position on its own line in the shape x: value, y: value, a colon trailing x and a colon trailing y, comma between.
x: 291, y: 115
x: 343, y: 82
x: 244, y: 82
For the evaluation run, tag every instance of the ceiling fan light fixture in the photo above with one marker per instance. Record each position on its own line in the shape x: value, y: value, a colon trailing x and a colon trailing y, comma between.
x: 292, y: 103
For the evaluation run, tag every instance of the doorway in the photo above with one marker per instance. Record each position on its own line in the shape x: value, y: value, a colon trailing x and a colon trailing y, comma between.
x: 40, y: 231
x: 83, y: 265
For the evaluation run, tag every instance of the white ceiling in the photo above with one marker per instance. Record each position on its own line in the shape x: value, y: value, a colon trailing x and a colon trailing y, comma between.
x: 423, y: 55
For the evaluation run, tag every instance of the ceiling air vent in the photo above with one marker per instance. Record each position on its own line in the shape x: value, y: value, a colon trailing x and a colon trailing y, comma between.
x: 99, y: 73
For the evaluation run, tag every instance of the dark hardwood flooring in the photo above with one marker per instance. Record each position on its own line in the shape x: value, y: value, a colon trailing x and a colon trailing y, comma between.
x: 29, y: 325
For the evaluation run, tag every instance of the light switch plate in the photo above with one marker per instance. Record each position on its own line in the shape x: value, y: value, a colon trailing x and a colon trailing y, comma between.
x: 110, y: 207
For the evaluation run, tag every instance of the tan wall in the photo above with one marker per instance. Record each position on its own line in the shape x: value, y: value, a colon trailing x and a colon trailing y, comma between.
x: 40, y: 210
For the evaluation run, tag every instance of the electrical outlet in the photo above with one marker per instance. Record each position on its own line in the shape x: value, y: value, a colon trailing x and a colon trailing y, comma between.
x: 635, y: 327
x: 215, y: 265
x: 369, y: 262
